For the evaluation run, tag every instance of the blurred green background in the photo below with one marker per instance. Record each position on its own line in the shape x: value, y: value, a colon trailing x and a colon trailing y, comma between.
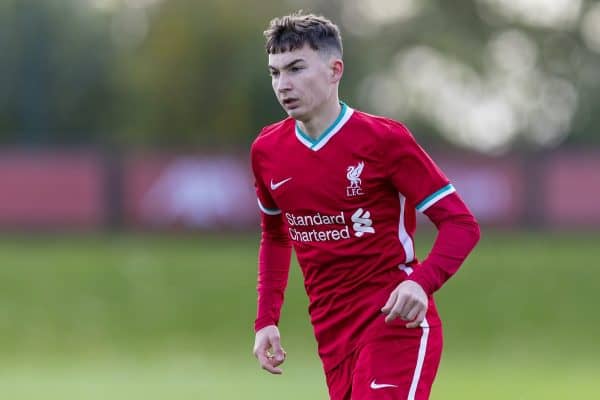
x: 124, y: 73
x: 105, y: 304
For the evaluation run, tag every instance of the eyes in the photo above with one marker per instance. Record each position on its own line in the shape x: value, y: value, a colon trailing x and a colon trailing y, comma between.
x: 293, y: 70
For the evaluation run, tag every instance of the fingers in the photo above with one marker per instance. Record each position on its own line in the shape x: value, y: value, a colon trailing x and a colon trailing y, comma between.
x: 390, y: 303
x: 272, y: 367
x: 397, y: 305
x: 265, y: 364
x: 417, y: 321
x: 397, y: 309
x: 276, y: 358
x: 270, y: 354
x: 268, y: 362
x: 408, y: 302
x: 278, y: 354
x: 405, y: 308
x: 410, y: 313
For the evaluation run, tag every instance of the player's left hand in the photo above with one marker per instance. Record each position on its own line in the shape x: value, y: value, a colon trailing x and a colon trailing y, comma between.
x: 409, y: 302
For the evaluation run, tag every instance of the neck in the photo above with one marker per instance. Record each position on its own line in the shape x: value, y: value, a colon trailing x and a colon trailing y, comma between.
x: 317, y: 124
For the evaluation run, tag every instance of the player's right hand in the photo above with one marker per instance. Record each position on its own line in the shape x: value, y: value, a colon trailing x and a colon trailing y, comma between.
x: 268, y: 350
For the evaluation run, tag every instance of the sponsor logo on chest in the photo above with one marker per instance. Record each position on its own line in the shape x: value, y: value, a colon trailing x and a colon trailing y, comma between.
x: 319, y: 227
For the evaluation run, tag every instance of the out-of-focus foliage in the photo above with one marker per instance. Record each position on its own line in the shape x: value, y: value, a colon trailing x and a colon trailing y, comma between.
x: 484, y: 74
x: 199, y: 76
x: 55, y: 68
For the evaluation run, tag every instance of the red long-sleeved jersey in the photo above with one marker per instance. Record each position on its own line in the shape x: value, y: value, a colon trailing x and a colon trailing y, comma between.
x: 347, y: 202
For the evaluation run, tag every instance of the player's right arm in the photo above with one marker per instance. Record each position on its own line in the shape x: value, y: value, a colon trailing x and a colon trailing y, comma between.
x: 268, y: 350
x: 273, y: 268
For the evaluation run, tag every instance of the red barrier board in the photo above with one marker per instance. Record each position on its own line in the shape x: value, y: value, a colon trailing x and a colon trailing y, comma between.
x: 572, y: 190
x: 51, y: 190
x: 492, y: 188
x: 67, y: 189
x: 189, y: 191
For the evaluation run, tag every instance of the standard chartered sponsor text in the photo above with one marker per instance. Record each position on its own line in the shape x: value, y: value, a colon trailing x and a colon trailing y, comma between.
x: 300, y: 234
x: 315, y: 219
x: 319, y: 236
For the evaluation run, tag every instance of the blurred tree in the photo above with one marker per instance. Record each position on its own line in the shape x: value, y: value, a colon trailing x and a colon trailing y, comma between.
x: 199, y: 77
x: 483, y: 74
x: 54, y: 74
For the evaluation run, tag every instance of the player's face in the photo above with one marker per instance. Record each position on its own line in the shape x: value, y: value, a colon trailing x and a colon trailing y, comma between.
x: 304, y: 80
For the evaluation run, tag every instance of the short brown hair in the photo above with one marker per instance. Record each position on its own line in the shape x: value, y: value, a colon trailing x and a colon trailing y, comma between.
x: 292, y: 32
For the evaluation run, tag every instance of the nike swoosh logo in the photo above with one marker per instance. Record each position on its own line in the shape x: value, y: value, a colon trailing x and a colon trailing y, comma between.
x: 275, y: 186
x: 376, y: 386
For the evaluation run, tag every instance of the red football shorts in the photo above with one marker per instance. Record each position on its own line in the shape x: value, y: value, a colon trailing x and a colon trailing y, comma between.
x: 402, y: 366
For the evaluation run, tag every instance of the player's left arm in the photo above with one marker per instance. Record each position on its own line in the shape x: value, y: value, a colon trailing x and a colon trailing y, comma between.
x: 418, y: 178
x: 458, y: 233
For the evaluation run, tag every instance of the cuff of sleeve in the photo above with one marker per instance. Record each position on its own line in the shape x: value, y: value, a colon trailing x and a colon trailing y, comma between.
x: 262, y: 322
x: 421, y: 276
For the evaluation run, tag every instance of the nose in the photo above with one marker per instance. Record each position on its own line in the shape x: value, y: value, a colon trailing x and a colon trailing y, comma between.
x: 283, y: 83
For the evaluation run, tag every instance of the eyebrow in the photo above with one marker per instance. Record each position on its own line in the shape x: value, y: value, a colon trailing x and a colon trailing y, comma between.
x: 289, y: 65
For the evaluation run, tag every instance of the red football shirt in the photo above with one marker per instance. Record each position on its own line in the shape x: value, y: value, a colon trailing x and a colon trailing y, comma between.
x: 347, y: 203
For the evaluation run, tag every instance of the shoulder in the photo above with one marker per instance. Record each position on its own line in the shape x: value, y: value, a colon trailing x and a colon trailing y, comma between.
x: 270, y: 135
x: 386, y: 130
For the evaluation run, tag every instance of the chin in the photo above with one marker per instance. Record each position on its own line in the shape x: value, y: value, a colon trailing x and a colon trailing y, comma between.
x: 295, y: 113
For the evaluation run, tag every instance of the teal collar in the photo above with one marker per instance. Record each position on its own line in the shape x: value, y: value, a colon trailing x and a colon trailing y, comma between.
x: 318, y: 143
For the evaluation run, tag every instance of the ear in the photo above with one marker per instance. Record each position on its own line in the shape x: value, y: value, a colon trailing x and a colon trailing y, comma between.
x: 336, y: 70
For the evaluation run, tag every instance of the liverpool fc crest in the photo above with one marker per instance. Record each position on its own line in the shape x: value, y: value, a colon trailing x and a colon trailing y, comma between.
x: 353, y: 175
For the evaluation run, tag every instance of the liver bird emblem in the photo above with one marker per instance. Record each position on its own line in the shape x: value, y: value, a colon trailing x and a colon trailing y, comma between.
x: 353, y: 174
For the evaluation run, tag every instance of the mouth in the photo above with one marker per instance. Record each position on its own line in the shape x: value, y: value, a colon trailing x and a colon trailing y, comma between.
x: 290, y: 103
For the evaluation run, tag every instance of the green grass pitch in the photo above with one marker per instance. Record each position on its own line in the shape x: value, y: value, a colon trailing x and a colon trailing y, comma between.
x: 157, y: 316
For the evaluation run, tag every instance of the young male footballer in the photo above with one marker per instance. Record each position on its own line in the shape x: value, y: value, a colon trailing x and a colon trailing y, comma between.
x: 342, y: 187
